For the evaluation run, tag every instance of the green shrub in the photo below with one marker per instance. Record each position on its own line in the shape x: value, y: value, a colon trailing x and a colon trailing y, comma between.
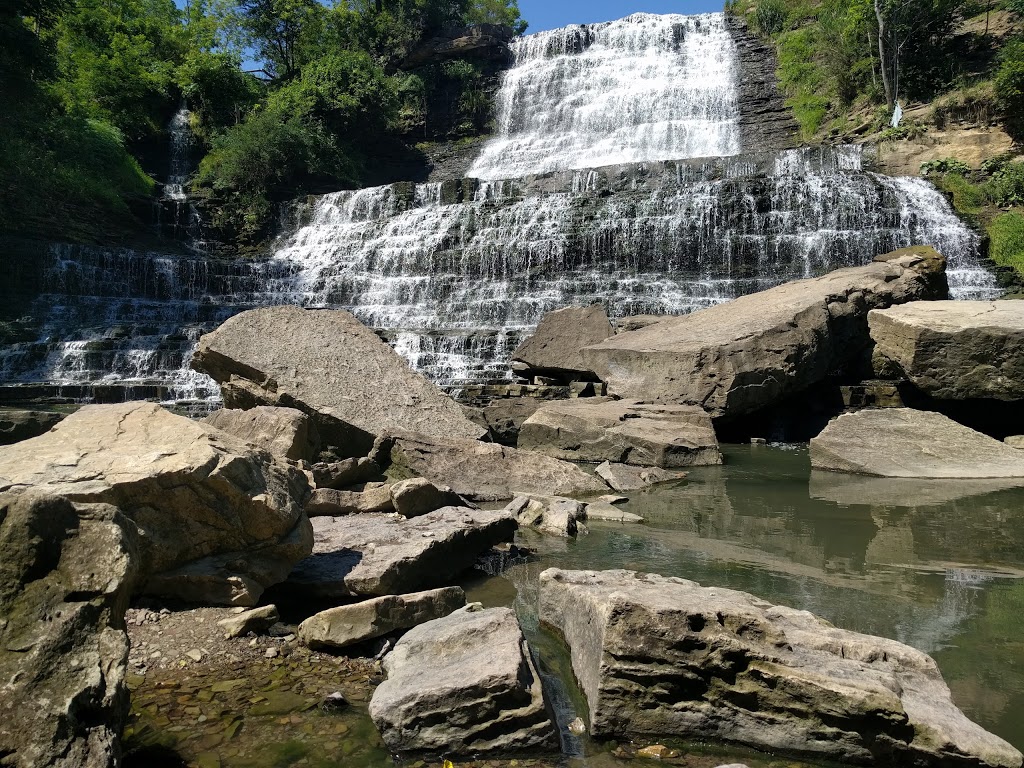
x: 945, y: 165
x: 1007, y: 184
x: 770, y: 17
x: 1007, y: 235
x: 1010, y: 85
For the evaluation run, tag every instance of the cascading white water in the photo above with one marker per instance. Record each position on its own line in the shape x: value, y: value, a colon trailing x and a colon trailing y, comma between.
x: 640, y: 89
x: 182, y: 146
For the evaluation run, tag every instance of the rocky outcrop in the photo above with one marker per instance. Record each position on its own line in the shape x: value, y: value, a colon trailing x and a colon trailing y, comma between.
x: 330, y: 366
x: 66, y: 574
x: 548, y: 514
x: 624, y: 478
x: 347, y: 625
x: 284, y: 432
x: 740, y: 356
x: 218, y: 519
x: 954, y: 350
x: 901, y: 442
x: 17, y: 425
x: 375, y: 555
x: 664, y: 656
x: 554, y: 348
x: 478, y: 41
x: 463, y: 685
x: 484, y: 471
x: 622, y: 431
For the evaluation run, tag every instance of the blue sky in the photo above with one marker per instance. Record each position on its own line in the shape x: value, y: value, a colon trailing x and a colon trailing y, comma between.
x: 551, y: 14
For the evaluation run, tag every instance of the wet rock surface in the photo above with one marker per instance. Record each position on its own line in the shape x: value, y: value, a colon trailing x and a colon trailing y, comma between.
x: 549, y: 514
x: 66, y: 573
x: 284, y: 432
x: 375, y: 555
x: 329, y: 365
x: 623, y: 431
x: 666, y: 656
x: 901, y: 442
x: 218, y: 520
x: 485, y: 471
x: 463, y: 685
x: 347, y: 625
x: 954, y: 350
x: 735, y: 358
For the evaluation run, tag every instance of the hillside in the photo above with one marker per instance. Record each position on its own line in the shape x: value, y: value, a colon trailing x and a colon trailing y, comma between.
x: 956, y: 68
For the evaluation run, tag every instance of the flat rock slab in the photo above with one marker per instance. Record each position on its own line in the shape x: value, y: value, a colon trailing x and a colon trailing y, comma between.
x: 745, y: 354
x: 554, y: 348
x: 329, y: 365
x: 606, y: 511
x: 374, y: 555
x: 624, y: 478
x: 954, y: 350
x: 329, y: 503
x: 219, y: 519
x: 667, y: 657
x: 485, y: 471
x: 623, y: 431
x: 463, y: 685
x: 350, y: 624
x: 284, y: 432
x: 901, y: 442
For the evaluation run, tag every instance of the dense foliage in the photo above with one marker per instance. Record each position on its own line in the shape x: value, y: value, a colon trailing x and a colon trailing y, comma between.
x: 841, y: 58
x: 89, y: 87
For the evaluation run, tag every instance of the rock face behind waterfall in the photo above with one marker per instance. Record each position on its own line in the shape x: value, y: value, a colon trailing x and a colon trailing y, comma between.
x: 66, y: 575
x: 219, y: 520
x: 329, y: 365
x: 664, y: 656
x: 954, y: 350
x: 738, y: 357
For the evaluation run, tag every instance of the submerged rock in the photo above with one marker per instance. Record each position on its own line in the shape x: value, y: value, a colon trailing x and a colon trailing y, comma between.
x: 623, y: 478
x: 485, y: 471
x: 740, y: 356
x: 665, y: 656
x: 954, y: 350
x: 554, y: 348
x: 329, y: 365
x: 624, y: 431
x: 218, y: 519
x: 350, y: 624
x: 66, y: 575
x: 284, y: 432
x: 463, y: 685
x: 901, y: 442
x: 373, y: 555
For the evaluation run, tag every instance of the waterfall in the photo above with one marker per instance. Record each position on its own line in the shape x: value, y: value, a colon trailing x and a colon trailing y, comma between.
x: 182, y: 145
x: 616, y: 177
x: 640, y: 89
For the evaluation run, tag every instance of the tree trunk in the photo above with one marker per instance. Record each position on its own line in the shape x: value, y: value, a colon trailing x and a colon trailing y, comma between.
x: 883, y: 55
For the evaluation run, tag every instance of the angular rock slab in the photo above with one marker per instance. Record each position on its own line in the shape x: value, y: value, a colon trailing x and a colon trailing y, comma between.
x: 374, y: 555
x: 329, y: 365
x: 549, y: 514
x: 745, y: 354
x: 902, y: 442
x: 622, y: 431
x: 66, y: 575
x: 554, y: 348
x: 624, y: 478
x: 485, y: 471
x: 955, y: 350
x: 283, y: 432
x: 463, y: 685
x: 667, y: 657
x: 218, y: 519
x: 350, y: 624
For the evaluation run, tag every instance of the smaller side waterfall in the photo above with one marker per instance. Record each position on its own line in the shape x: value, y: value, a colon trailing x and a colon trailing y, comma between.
x: 182, y: 145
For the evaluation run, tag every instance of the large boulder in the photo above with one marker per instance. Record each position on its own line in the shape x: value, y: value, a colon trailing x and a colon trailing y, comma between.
x: 954, y: 350
x: 284, y: 432
x: 416, y: 496
x: 622, y: 431
x: 463, y: 685
x: 554, y: 348
x: 740, y: 356
x: 329, y: 365
x: 374, y: 555
x: 66, y: 575
x: 219, y: 520
x: 347, y: 625
x: 484, y: 471
x: 901, y: 442
x: 665, y: 656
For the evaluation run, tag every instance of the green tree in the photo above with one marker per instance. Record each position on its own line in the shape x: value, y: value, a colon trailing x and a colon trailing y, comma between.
x: 504, y: 12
